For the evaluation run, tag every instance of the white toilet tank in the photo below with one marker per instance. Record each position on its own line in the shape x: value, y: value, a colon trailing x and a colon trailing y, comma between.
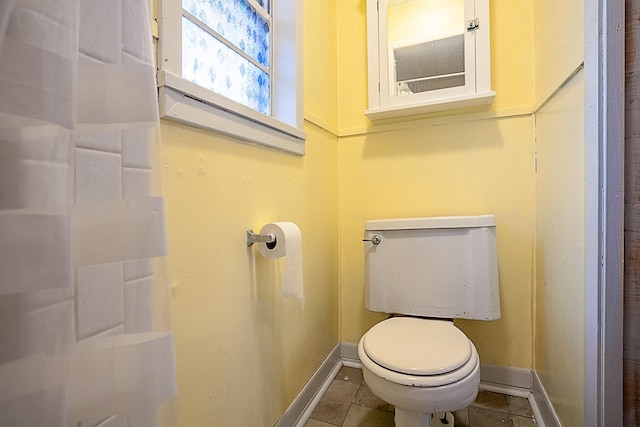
x: 444, y: 267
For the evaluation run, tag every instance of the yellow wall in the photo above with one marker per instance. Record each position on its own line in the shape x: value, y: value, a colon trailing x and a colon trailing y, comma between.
x: 560, y: 208
x: 559, y: 343
x: 459, y: 167
x: 559, y: 43
x: 320, y: 64
x: 244, y: 352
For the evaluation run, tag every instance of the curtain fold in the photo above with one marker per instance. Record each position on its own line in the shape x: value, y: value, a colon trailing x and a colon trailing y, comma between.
x: 85, y: 328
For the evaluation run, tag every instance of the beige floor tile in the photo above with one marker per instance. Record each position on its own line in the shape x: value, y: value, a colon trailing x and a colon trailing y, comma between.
x: 331, y: 411
x: 361, y: 416
x: 342, y: 390
x: 491, y: 400
x: 352, y: 375
x: 519, y: 406
x: 316, y: 423
x: 519, y: 421
x: 481, y: 417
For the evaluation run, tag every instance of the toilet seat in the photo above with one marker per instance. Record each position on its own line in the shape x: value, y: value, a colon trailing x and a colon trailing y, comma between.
x: 418, y: 352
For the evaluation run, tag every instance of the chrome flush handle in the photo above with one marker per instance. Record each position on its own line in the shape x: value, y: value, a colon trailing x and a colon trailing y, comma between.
x: 375, y: 239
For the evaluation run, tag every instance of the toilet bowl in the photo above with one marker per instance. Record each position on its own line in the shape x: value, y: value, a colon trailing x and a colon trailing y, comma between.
x: 421, y: 366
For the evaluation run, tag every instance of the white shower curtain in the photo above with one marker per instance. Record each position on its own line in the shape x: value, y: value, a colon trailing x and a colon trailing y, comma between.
x: 85, y: 334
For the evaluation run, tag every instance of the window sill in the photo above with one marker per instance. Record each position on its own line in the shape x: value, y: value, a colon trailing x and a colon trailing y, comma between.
x: 432, y: 106
x: 186, y: 102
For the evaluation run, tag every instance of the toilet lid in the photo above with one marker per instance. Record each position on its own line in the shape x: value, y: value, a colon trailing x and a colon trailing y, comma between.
x: 417, y: 346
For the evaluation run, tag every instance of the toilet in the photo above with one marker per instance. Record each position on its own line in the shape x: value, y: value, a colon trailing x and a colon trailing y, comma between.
x: 425, y: 272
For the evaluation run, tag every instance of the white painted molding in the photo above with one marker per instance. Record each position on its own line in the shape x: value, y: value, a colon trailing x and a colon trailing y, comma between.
x: 506, y: 376
x: 545, y: 412
x: 177, y: 106
x: 300, y: 409
x: 349, y: 355
x: 431, y: 106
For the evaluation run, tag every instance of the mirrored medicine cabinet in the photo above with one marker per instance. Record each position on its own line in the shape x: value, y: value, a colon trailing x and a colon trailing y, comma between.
x: 427, y: 55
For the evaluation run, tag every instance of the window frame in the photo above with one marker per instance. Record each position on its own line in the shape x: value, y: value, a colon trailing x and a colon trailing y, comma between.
x: 187, y: 102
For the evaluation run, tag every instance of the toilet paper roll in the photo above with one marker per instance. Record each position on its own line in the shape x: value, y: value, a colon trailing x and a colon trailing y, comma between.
x: 288, y: 244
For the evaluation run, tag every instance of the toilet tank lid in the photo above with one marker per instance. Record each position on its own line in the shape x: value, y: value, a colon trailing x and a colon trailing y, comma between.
x: 431, y: 222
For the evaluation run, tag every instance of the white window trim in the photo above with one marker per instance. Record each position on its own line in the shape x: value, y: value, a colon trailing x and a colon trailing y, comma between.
x: 189, y: 103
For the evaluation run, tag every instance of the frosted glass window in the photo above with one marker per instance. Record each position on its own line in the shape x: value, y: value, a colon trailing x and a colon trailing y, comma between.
x: 226, y: 48
x: 234, y: 67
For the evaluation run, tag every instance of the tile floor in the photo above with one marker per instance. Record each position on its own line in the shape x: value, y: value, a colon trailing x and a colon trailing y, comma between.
x: 349, y: 403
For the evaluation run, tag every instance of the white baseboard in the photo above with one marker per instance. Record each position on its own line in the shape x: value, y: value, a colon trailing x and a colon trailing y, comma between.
x: 505, y: 380
x: 506, y: 375
x: 544, y: 409
x: 500, y: 379
x: 300, y: 409
x: 349, y: 355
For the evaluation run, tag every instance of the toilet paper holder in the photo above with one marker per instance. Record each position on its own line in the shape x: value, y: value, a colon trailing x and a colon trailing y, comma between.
x: 259, y: 238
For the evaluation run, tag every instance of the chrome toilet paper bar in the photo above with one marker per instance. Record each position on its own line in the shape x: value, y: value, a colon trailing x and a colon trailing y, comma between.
x: 259, y: 238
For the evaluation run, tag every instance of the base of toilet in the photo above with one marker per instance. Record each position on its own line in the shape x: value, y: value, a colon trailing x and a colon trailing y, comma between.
x: 443, y: 420
x: 415, y: 406
x: 405, y: 418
